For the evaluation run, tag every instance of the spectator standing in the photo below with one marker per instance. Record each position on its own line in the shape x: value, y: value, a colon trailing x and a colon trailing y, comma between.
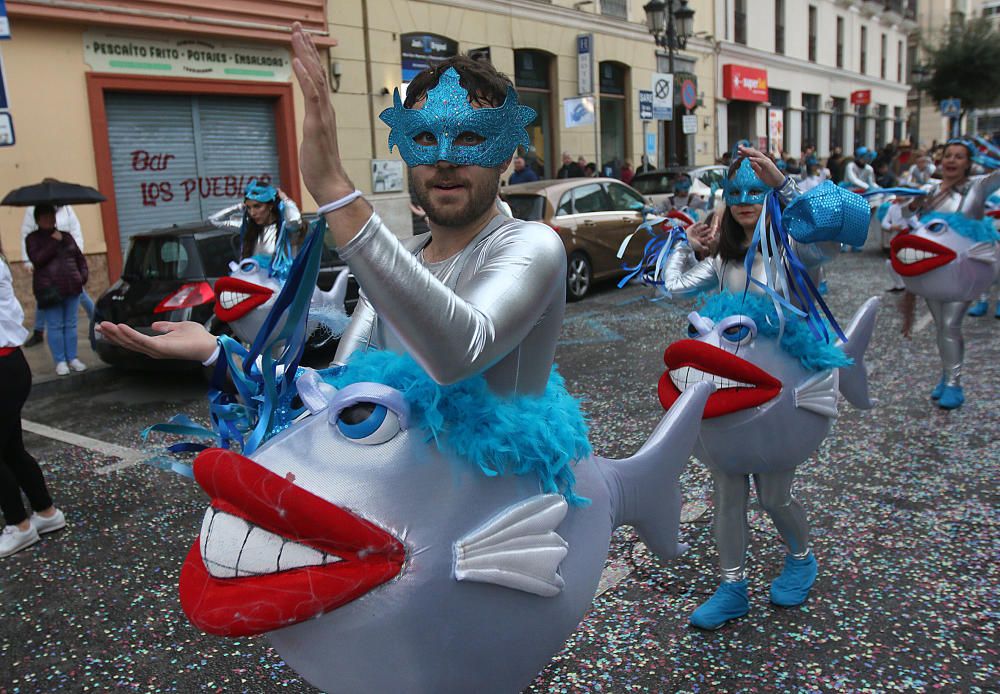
x: 59, y: 276
x: 522, y: 174
x: 569, y: 168
x: 627, y: 174
x: 835, y: 163
x: 590, y: 170
x: 645, y: 166
x: 18, y: 470
x: 66, y: 220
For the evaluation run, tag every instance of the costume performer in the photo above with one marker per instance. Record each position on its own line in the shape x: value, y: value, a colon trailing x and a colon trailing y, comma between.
x: 783, y: 269
x: 267, y: 215
x: 956, y: 191
x: 859, y: 173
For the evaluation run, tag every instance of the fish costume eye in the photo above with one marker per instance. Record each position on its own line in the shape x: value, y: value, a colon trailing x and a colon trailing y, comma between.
x: 368, y: 423
x: 737, y: 330
x: 368, y: 413
x: 936, y: 227
x: 249, y: 265
x: 698, y: 325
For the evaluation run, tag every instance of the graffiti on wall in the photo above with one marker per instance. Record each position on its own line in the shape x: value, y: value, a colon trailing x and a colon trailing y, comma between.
x: 165, y: 190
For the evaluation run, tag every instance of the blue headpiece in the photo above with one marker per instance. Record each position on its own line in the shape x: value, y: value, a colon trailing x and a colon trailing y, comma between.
x: 745, y: 187
x: 260, y: 192
x: 682, y: 184
x: 861, y: 154
x: 447, y: 114
x: 976, y: 154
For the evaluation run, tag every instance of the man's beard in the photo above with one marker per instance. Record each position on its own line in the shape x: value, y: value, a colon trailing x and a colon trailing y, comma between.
x: 481, y: 196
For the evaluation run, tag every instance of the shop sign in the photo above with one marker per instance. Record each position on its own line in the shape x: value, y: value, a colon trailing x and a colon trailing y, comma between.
x: 4, y: 22
x: 578, y: 111
x: 585, y: 64
x: 860, y: 97
x: 177, y: 56
x: 421, y: 51
x: 689, y: 124
x: 645, y: 105
x: 742, y: 83
x: 663, y: 96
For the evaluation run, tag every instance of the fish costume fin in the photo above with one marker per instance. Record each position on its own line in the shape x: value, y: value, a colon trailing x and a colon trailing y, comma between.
x: 984, y: 252
x: 645, y: 491
x: 818, y: 393
x: 854, y: 378
x: 518, y: 548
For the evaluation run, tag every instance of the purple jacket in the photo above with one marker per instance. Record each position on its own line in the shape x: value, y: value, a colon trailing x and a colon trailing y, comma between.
x: 58, y: 264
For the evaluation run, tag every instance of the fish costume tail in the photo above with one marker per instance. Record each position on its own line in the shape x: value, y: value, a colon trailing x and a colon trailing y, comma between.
x: 645, y: 490
x: 854, y: 378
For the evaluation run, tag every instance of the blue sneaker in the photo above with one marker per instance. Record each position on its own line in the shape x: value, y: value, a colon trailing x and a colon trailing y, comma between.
x: 951, y: 398
x: 791, y: 588
x: 978, y: 309
x: 729, y: 602
x: 938, y: 390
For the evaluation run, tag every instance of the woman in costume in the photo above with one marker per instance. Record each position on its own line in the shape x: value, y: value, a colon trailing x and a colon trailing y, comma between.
x: 18, y: 470
x: 827, y: 213
x: 266, y: 213
x: 956, y: 191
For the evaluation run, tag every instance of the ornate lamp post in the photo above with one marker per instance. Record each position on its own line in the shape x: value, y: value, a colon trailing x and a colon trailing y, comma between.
x: 671, y: 29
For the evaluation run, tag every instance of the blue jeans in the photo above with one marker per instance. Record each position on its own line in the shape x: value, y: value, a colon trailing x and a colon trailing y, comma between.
x: 60, y: 328
x: 85, y: 301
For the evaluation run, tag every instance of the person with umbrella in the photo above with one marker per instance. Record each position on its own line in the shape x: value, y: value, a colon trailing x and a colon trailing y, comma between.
x: 59, y: 276
x: 19, y: 471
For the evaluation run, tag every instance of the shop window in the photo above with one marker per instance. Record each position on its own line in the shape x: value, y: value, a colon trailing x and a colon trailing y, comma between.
x: 882, y: 115
x: 861, y: 119
x: 837, y: 122
x: 614, y: 124
x: 533, y: 79
x: 810, y: 119
x: 897, y: 123
x: 779, y: 100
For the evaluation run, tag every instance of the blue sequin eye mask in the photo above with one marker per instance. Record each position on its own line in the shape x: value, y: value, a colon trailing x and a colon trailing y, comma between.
x: 260, y: 192
x: 745, y: 188
x: 449, y: 129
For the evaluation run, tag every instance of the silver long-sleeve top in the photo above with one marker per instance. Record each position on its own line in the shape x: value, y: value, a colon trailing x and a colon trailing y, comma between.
x: 267, y: 242
x: 495, y: 308
x: 968, y: 198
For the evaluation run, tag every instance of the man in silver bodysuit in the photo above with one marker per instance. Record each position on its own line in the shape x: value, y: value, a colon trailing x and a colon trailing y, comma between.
x: 482, y: 293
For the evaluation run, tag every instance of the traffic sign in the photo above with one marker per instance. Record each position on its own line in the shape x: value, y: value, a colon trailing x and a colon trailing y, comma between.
x: 663, y: 96
x: 951, y: 108
x: 689, y: 124
x: 689, y: 94
x: 6, y: 129
x: 4, y: 22
x: 645, y: 105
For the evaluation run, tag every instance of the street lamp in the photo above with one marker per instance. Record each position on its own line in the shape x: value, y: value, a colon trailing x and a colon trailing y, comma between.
x: 919, y: 72
x: 670, y: 28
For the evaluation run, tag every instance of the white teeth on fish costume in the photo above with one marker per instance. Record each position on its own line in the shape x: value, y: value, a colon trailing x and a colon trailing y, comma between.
x: 908, y: 256
x: 819, y: 393
x: 231, y: 547
x: 230, y: 299
x: 687, y: 375
x: 517, y: 549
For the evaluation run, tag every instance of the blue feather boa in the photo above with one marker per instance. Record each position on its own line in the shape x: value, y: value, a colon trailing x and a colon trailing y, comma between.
x: 521, y: 435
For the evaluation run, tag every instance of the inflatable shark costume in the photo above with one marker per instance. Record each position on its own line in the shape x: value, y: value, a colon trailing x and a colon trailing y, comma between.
x: 770, y: 305
x: 430, y: 519
x: 948, y: 307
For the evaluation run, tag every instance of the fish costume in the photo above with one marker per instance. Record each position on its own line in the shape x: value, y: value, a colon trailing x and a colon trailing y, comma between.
x: 372, y: 531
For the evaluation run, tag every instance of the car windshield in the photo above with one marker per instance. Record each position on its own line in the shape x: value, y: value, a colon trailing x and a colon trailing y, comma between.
x: 161, y: 258
x: 530, y: 208
x: 217, y: 252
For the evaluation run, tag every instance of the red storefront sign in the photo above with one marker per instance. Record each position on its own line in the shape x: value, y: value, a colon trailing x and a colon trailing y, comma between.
x: 742, y: 83
x: 861, y: 97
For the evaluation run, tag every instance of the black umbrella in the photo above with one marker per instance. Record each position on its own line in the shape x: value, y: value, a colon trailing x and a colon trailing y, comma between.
x: 52, y: 192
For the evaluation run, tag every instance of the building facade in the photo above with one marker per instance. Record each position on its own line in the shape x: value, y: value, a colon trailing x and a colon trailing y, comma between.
x: 830, y: 73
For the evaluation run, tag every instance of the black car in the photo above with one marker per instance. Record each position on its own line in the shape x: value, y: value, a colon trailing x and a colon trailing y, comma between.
x: 169, y: 275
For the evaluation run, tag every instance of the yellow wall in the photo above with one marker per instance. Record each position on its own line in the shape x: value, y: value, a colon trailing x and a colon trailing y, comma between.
x: 48, y: 100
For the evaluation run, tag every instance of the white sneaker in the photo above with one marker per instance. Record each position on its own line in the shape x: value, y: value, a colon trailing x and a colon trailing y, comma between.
x: 13, y: 540
x: 62, y: 368
x: 57, y: 521
x: 77, y: 365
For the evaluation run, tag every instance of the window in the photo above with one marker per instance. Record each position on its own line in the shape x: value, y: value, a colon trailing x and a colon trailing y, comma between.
x: 740, y: 23
x: 837, y: 122
x: 897, y: 123
x: 531, y: 208
x: 861, y: 119
x: 532, y: 76
x: 779, y: 26
x: 624, y: 199
x: 882, y: 115
x: 216, y: 252
x: 614, y: 125
x: 779, y: 101
x: 899, y: 61
x: 864, y: 50
x: 590, y: 198
x: 812, y: 33
x: 882, y: 57
x: 565, y: 204
x: 810, y: 119
x: 615, y: 8
x: 840, y: 42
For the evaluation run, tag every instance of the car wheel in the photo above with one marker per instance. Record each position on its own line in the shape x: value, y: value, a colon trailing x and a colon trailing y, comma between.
x: 579, y: 275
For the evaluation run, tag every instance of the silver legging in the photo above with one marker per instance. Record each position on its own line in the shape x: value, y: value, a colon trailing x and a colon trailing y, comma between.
x: 774, y: 492
x: 948, y: 317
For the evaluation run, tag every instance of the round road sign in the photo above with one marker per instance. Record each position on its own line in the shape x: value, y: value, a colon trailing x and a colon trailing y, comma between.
x: 689, y: 96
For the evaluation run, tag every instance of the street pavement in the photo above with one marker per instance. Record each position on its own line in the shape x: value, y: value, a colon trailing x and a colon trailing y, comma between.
x: 902, y: 501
